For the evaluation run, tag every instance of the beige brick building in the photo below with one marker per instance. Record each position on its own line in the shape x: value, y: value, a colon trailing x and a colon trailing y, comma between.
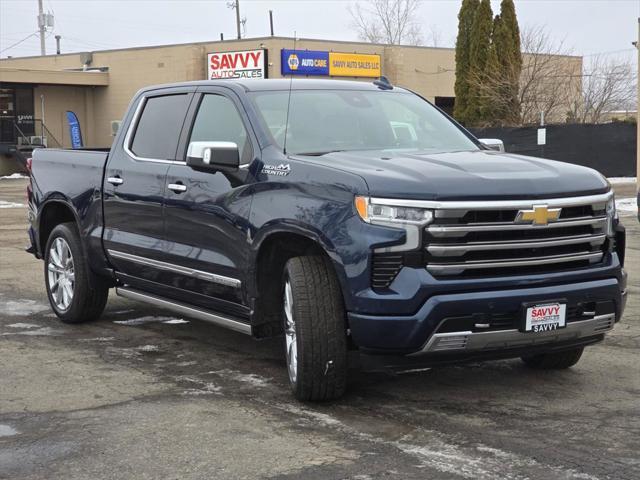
x: 98, y: 86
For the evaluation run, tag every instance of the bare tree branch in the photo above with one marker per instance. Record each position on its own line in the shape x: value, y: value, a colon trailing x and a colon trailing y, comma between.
x: 387, y: 21
x: 434, y: 36
x: 609, y: 84
x: 550, y: 81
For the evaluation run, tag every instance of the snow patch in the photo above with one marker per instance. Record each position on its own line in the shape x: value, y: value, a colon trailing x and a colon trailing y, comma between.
x: 479, y: 462
x: 149, y: 349
x: 433, y: 450
x: 39, y: 332
x: 123, y: 352
x: 23, y: 325
x: 321, y: 418
x: 414, y: 370
x: 206, y: 389
x: 248, y: 378
x: 21, y: 308
x: 14, y: 176
x: 252, y: 379
x: 7, y: 431
x: 203, y: 388
x: 99, y: 339
x: 176, y: 321
x: 149, y: 319
x: 616, y: 180
x: 5, y: 204
x: 627, y: 205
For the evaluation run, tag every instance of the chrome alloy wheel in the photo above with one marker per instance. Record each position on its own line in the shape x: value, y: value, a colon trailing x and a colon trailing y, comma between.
x: 291, y: 346
x: 61, y: 274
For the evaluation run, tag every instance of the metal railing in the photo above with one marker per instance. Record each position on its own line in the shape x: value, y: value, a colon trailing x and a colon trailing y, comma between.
x: 44, y: 139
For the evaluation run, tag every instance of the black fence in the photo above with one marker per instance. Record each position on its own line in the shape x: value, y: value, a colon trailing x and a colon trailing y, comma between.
x: 609, y: 148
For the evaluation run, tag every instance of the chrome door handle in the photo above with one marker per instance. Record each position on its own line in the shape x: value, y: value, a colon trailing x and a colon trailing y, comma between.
x: 115, y: 181
x: 177, y: 187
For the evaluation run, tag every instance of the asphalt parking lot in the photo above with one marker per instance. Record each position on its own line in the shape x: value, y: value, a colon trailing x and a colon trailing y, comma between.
x: 145, y: 394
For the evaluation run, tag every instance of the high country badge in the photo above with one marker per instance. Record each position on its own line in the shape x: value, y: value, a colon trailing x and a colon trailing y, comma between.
x: 281, y: 170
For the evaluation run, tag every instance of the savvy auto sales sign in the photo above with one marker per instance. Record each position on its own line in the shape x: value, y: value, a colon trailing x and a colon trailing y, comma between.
x: 241, y: 64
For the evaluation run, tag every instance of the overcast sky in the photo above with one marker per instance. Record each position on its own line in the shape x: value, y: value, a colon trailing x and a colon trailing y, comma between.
x: 587, y: 26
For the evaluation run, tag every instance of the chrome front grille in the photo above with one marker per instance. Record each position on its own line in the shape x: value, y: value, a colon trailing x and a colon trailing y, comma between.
x: 475, y: 238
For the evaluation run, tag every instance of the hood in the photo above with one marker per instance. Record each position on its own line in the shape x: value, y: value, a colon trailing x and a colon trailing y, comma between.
x: 477, y: 175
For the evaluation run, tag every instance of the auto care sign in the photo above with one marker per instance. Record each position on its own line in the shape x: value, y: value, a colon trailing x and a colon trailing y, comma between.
x: 334, y: 64
x: 240, y: 64
x: 304, y: 62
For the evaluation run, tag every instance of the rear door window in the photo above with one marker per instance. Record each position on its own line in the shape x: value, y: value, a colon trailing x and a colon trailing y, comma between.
x: 158, y: 130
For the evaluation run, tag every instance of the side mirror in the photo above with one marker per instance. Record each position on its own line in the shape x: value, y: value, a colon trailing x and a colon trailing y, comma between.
x: 493, y: 144
x: 213, y: 156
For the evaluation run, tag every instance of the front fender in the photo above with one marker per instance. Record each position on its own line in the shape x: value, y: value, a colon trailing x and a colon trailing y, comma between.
x: 331, y: 222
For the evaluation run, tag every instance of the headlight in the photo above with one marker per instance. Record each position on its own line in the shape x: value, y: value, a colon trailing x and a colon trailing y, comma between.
x: 411, y: 219
x: 375, y: 211
x: 612, y: 216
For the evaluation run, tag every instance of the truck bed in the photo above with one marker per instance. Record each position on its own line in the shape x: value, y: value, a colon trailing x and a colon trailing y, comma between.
x: 70, y: 171
x: 73, y: 178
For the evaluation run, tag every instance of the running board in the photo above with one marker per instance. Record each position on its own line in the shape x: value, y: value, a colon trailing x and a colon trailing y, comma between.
x: 216, y: 319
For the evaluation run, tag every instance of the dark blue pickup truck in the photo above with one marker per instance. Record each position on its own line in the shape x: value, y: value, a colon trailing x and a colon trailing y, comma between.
x: 348, y: 216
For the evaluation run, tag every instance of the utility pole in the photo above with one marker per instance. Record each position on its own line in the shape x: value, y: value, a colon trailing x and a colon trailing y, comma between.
x: 42, y: 25
x: 271, y: 21
x: 237, y: 18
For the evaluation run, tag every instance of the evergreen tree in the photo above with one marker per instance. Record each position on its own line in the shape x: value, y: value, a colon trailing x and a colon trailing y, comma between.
x: 508, y: 58
x: 466, y: 17
x: 479, y: 55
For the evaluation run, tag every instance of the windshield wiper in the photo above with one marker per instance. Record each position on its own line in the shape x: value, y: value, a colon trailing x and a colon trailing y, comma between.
x: 319, y: 154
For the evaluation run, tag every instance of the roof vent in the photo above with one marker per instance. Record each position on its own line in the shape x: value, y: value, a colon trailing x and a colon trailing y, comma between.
x: 86, y: 58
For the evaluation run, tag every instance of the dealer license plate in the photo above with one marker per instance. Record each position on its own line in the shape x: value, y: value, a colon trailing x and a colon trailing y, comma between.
x: 545, y: 317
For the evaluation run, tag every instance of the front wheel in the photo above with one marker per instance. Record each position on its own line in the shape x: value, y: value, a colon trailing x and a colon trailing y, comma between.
x: 75, y: 293
x: 315, y: 329
x: 554, y: 361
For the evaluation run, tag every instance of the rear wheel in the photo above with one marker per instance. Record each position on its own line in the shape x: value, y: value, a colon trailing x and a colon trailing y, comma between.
x: 315, y: 329
x: 75, y: 293
x: 554, y: 361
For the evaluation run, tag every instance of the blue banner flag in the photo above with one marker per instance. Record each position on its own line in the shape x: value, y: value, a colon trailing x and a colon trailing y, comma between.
x: 74, y: 130
x: 304, y: 62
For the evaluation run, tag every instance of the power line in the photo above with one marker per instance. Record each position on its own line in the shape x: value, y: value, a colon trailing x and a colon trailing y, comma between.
x: 20, y: 41
x: 610, y: 52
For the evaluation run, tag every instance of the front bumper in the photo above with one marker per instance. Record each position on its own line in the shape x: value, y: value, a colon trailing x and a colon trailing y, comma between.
x: 416, y: 334
x: 508, y: 339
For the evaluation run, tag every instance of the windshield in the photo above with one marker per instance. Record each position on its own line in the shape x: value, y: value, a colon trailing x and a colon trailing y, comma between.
x: 322, y: 121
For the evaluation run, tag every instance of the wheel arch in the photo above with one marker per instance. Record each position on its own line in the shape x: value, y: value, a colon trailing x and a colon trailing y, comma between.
x: 53, y: 212
x: 271, y: 252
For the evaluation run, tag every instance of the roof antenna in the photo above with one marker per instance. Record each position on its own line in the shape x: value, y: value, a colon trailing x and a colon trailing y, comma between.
x: 286, y: 125
x: 383, y: 83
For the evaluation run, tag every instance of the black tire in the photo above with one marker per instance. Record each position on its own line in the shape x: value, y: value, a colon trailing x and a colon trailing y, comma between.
x: 320, y: 329
x: 89, y: 295
x: 554, y: 361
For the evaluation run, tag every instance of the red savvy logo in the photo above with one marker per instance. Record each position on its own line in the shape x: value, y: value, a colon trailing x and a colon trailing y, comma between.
x: 236, y: 60
x: 545, y: 311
